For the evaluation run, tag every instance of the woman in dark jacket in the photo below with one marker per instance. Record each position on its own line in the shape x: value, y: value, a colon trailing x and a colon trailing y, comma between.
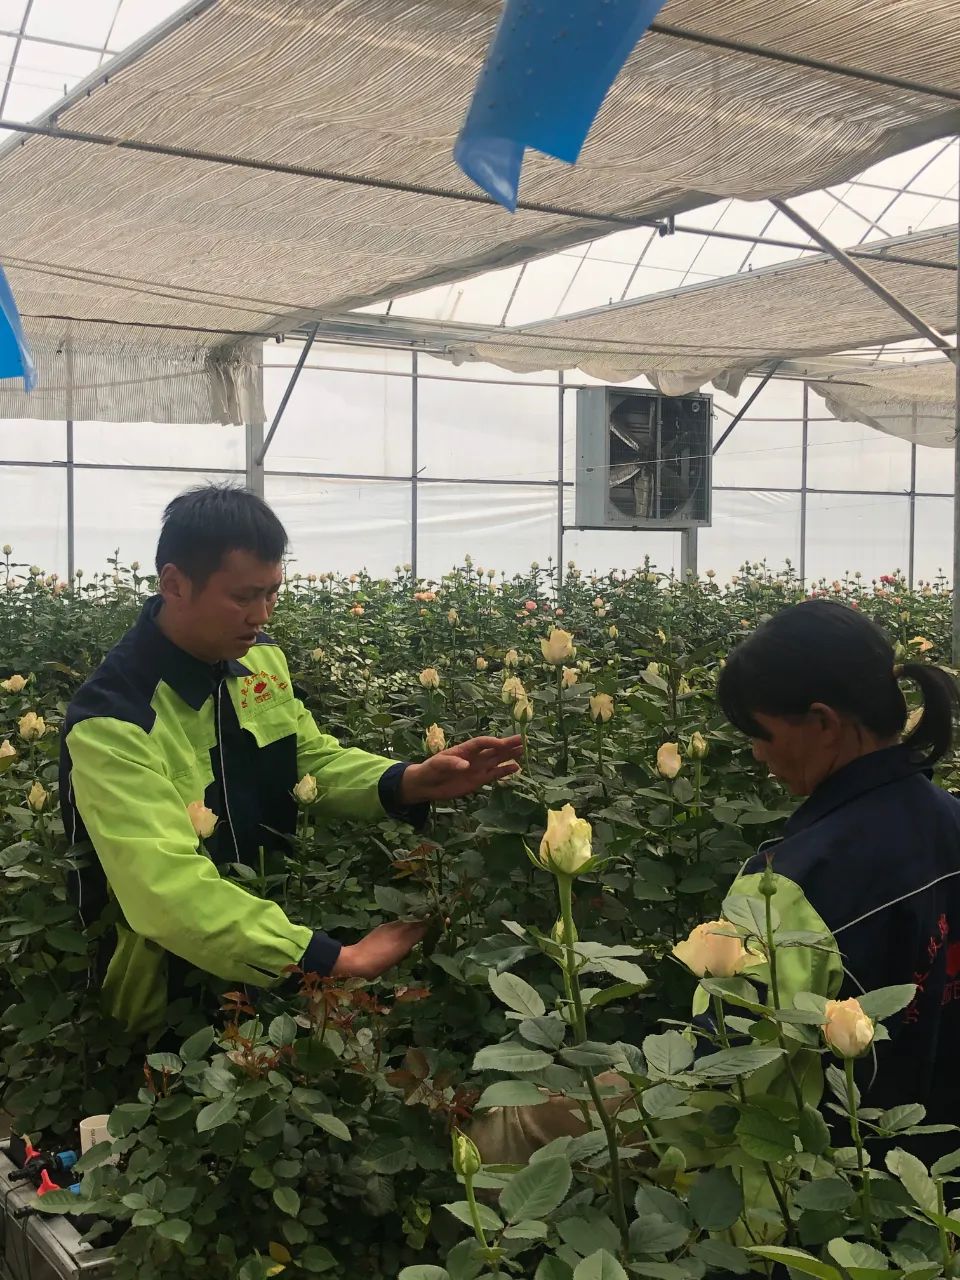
x: 874, y: 851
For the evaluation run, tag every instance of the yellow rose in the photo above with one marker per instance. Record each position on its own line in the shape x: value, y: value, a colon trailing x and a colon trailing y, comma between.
x: 601, y: 707
x: 511, y: 658
x: 847, y: 1030
x: 653, y: 668
x: 466, y: 1158
x: 306, y: 792
x: 712, y: 949
x: 436, y: 739
x: 430, y: 678
x: 7, y: 549
x: 6, y: 749
x: 31, y: 727
x: 570, y: 677
x: 318, y: 655
x: 482, y: 664
x: 669, y: 763
x: 204, y: 820
x: 453, y: 617
x: 661, y: 635
x: 523, y: 709
x: 567, y: 842
x: 698, y: 746
x: 512, y: 689
x: 358, y: 610
x: 557, y: 647
x: 14, y: 685
x: 923, y: 644
x: 612, y: 632
x: 37, y: 797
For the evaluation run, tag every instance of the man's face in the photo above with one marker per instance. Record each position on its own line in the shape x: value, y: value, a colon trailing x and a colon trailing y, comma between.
x: 800, y: 751
x: 220, y: 620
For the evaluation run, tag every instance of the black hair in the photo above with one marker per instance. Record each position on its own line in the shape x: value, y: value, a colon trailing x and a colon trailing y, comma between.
x: 823, y: 651
x: 203, y: 525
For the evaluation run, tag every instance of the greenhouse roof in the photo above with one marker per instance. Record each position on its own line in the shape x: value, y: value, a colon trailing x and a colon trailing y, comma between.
x: 249, y: 167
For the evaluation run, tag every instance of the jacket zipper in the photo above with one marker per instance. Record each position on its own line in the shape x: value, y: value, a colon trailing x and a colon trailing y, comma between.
x: 223, y: 770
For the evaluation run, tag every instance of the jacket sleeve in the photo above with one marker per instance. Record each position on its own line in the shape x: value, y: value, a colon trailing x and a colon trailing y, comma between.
x: 352, y: 783
x: 167, y: 889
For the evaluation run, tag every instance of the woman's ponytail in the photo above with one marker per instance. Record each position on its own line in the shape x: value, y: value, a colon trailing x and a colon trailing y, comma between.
x: 932, y: 736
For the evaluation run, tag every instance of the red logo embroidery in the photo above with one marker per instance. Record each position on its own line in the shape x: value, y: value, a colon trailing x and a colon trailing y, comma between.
x: 256, y: 688
x: 259, y: 686
x: 953, y: 959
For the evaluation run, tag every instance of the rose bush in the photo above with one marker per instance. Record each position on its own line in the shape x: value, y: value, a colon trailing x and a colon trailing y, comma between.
x: 313, y: 1134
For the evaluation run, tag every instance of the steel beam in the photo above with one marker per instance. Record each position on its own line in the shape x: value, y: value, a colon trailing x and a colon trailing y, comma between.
x: 740, y: 412
x: 294, y: 379
x: 560, y: 481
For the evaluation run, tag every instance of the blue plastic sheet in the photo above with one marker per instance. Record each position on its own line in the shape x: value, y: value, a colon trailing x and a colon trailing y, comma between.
x: 15, y: 358
x: 548, y: 71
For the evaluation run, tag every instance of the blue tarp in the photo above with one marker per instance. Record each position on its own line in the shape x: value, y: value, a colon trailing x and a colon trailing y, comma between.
x: 548, y: 71
x: 15, y: 358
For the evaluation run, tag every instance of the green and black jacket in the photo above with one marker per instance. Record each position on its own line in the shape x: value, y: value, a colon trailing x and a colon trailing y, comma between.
x: 154, y: 729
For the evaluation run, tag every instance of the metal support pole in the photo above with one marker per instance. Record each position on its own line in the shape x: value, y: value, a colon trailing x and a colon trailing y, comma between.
x: 254, y: 469
x: 956, y: 464
x: 911, y: 560
x: 750, y: 399
x: 294, y: 379
x: 560, y: 483
x: 71, y: 518
x: 414, y: 466
x: 883, y: 293
x: 803, y: 482
x: 688, y: 553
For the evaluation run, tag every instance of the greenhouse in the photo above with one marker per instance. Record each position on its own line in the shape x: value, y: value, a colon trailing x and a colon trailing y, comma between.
x: 472, y: 474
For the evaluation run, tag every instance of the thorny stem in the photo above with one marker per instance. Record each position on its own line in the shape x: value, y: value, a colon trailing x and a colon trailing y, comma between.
x: 866, y: 1205
x: 564, y: 748
x: 565, y: 888
x: 775, y: 995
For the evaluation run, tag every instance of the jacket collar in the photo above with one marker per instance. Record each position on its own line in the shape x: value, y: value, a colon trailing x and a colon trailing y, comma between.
x: 192, y: 679
x: 867, y: 773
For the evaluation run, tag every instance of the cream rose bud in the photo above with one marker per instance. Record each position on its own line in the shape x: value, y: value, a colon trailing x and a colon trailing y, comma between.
x: 653, y: 668
x: 436, y: 739
x: 466, y: 1158
x: 698, y: 746
x: 612, y: 632
x: 511, y: 658
x: 7, y: 549
x: 318, y: 655
x: 570, y: 677
x: 31, y: 726
x: 430, y: 678
x: 848, y: 1030
x: 6, y: 749
x: 37, y: 797
x: 713, y: 949
x: 512, y: 689
x: 482, y: 664
x: 557, y: 647
x: 358, y: 610
x: 567, y: 842
x: 523, y: 709
x: 601, y: 707
x: 669, y: 763
x: 453, y: 617
x: 305, y: 792
x: 14, y: 685
x: 204, y: 820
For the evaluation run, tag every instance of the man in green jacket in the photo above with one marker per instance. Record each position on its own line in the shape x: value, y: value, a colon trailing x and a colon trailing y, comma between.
x: 195, y: 706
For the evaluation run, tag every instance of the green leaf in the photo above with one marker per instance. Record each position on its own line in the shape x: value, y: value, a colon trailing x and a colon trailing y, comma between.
x: 549, y: 1033
x: 662, y: 1204
x: 511, y: 1057
x: 146, y: 1218
x: 195, y: 1047
x: 735, y: 1062
x: 331, y: 1124
x: 69, y: 940
x: 916, y: 1181
x: 653, y: 1234
x: 946, y: 1164
x: 423, y: 1271
x: 178, y: 1198
x: 216, y: 1114
x: 886, y: 1001
x: 715, y: 1200
x: 797, y: 1260
x: 315, y: 1259
x: 553, y: 1268
x: 667, y: 1054
x: 488, y: 1219
x: 826, y: 1195
x: 171, y: 1063
x: 527, y: 1229
x: 764, y: 1136
x: 748, y: 914
x: 537, y: 1189
x: 127, y: 1118
x: 717, y: 1254
x: 282, y: 1031
x: 175, y: 1229
x: 902, y: 1117
x: 812, y: 1131
x: 286, y: 1200
x: 516, y: 994
x: 857, y: 1254
x: 513, y: 1093
x: 599, y: 1266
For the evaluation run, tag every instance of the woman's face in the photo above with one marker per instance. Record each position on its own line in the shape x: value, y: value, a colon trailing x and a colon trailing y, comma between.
x: 800, y: 751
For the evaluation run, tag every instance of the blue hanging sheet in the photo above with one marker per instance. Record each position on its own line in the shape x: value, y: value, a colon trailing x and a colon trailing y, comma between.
x: 15, y: 358
x: 548, y: 71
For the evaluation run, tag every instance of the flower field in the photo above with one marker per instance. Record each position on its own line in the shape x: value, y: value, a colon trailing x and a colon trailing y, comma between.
x: 345, y: 1130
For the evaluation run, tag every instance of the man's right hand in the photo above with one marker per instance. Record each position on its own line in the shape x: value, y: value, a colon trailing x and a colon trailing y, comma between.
x: 380, y: 950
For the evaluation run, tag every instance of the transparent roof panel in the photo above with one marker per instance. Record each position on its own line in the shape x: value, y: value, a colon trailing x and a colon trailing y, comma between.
x: 910, y: 192
x: 49, y: 46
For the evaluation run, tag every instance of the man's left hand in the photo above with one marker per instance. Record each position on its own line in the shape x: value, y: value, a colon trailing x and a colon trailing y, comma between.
x: 461, y: 770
